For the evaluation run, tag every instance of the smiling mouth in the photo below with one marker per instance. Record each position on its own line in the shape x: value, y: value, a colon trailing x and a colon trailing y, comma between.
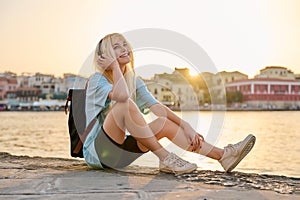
x: 124, y: 55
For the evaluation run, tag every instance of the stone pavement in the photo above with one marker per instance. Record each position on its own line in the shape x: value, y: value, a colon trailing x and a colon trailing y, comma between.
x: 23, y: 177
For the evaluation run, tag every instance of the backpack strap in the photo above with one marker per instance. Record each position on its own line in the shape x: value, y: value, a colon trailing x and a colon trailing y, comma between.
x: 69, y: 98
x: 84, y: 135
x: 86, y: 85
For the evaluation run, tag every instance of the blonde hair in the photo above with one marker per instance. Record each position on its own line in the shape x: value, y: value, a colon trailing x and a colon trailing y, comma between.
x: 105, y: 46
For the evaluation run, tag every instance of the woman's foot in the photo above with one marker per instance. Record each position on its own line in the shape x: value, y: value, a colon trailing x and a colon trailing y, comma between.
x: 233, y: 154
x: 176, y: 165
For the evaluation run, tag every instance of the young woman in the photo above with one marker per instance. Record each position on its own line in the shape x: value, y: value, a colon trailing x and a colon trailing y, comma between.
x: 117, y: 98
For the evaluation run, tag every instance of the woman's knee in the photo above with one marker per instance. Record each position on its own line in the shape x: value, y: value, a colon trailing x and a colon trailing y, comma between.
x: 160, y: 126
x: 125, y: 105
x: 125, y: 109
x: 162, y: 121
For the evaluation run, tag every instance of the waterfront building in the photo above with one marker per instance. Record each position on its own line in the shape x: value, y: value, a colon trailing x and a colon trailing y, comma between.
x: 227, y: 77
x: 276, y: 72
x: 274, y: 88
x: 42, y: 82
x: 23, y: 79
x: 28, y: 94
x: 175, y: 90
x: 216, y: 90
x: 59, y: 86
x: 7, y: 85
x: 73, y: 81
x: 160, y: 91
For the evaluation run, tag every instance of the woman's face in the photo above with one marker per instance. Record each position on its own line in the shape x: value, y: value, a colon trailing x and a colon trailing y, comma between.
x: 121, y: 49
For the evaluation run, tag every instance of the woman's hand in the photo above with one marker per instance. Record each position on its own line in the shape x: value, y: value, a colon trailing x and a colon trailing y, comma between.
x: 193, y: 137
x: 107, y: 62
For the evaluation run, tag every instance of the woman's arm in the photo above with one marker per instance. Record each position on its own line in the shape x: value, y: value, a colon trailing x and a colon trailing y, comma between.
x: 163, y: 111
x: 120, y: 92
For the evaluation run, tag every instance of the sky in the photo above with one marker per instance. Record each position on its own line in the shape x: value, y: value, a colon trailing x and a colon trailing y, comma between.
x: 57, y: 36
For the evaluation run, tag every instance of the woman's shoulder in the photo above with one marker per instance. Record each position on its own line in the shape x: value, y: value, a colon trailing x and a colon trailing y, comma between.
x: 97, y: 80
x: 139, y: 81
x: 97, y: 76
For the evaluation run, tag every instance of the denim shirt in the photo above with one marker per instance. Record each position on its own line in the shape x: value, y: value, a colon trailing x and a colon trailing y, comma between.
x: 97, y: 102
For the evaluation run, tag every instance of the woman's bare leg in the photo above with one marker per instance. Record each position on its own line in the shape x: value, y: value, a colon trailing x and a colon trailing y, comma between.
x: 162, y: 127
x: 126, y: 115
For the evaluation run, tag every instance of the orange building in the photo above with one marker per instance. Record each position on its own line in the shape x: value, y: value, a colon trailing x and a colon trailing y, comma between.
x: 7, y: 85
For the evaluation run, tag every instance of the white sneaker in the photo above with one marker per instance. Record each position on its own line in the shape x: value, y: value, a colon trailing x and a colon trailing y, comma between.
x: 233, y: 154
x: 174, y: 164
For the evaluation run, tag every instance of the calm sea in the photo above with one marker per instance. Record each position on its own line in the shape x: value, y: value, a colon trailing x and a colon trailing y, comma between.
x: 276, y: 151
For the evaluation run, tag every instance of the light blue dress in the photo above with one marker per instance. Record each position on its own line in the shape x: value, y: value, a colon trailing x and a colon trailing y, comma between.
x: 97, y: 102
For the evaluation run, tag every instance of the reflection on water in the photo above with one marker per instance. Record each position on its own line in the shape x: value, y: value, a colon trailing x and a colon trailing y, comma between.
x: 276, y: 151
x: 34, y: 133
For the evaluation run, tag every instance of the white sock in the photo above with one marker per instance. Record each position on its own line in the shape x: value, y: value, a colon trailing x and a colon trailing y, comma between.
x: 205, y: 148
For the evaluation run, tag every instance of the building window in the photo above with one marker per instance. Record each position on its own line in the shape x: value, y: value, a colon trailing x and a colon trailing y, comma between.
x: 257, y: 90
x: 293, y: 89
x: 155, y: 91
x: 266, y: 89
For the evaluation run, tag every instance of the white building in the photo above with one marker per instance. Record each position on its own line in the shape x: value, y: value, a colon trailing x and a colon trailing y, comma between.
x: 174, y: 90
x: 73, y: 81
x: 276, y: 72
x: 216, y: 84
x: 43, y: 82
x: 228, y: 77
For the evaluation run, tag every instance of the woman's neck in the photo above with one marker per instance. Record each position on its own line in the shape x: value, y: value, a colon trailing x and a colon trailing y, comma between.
x: 123, y: 69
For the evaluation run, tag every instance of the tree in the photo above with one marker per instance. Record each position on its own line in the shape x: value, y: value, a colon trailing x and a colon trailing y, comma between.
x: 234, y: 97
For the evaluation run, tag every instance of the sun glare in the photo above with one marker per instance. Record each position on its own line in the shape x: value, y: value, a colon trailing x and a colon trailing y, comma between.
x: 193, y: 72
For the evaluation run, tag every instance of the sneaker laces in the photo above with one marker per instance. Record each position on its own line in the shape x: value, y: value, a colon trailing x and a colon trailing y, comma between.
x: 237, y: 144
x: 234, y: 148
x: 174, y: 159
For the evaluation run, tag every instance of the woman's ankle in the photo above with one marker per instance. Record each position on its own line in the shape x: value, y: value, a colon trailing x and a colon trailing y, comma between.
x: 161, y: 153
x: 221, y: 153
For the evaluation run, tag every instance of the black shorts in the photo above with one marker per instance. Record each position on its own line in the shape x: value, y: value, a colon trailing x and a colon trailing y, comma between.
x: 114, y: 155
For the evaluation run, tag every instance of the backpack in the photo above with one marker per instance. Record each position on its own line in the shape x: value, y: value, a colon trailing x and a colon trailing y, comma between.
x: 78, y: 131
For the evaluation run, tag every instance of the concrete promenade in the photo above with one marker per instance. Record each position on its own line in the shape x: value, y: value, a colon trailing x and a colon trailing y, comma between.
x: 23, y: 177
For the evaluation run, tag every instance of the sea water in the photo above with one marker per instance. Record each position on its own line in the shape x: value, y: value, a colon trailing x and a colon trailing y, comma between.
x: 276, y: 150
